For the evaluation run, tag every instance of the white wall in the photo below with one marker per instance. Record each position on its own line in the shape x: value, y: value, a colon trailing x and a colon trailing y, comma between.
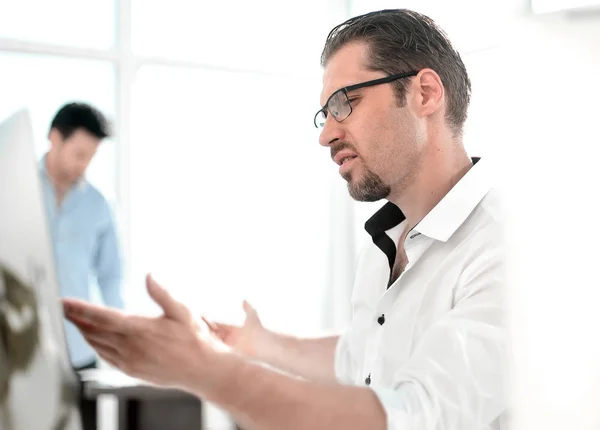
x: 555, y: 111
x: 536, y: 107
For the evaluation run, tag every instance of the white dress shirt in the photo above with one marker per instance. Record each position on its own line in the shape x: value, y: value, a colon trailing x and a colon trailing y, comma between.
x: 433, y: 345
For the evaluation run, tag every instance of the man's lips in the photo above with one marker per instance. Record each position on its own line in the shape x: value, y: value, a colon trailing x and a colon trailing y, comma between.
x: 343, y: 156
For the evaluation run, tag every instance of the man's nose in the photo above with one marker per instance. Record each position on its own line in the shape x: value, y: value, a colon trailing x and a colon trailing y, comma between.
x: 331, y: 132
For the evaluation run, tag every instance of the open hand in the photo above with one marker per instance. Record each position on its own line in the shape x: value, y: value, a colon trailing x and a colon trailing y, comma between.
x: 168, y: 350
x: 242, y: 339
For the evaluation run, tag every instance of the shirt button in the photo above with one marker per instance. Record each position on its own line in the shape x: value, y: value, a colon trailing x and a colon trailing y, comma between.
x: 368, y: 380
x: 381, y: 319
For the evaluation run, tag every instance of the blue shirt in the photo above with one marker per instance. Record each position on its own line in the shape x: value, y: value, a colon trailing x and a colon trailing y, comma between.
x: 86, y: 251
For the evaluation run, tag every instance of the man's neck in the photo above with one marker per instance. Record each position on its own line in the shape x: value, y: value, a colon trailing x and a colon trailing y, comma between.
x: 439, y: 172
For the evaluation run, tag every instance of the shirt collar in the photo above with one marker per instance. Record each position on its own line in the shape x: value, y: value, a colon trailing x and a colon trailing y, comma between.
x: 449, y: 214
x: 81, y: 185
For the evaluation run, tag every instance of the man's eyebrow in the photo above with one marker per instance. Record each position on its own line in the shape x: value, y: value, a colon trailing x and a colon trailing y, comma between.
x: 352, y: 90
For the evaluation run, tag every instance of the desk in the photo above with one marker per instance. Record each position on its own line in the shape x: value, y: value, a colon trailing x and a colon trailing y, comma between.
x: 142, y: 406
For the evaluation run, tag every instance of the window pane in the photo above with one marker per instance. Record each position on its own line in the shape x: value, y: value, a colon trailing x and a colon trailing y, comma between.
x: 260, y: 34
x: 81, y: 23
x: 230, y: 192
x: 42, y: 84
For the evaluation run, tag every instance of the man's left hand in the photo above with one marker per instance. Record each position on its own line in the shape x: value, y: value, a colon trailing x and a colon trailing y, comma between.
x: 171, y: 350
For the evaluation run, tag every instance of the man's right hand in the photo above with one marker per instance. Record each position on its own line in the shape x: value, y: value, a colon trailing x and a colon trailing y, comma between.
x: 309, y: 358
x: 242, y: 339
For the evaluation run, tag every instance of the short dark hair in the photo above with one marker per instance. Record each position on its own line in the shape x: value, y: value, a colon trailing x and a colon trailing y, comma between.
x: 402, y: 41
x: 74, y: 116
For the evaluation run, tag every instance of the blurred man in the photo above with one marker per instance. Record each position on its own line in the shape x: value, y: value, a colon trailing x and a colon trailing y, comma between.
x: 81, y: 222
x: 427, y: 346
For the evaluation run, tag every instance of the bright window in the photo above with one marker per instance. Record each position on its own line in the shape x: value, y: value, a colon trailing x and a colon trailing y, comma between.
x: 79, y: 23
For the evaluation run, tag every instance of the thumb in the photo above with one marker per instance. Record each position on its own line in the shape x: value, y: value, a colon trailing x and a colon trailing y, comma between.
x: 250, y: 311
x: 171, y: 307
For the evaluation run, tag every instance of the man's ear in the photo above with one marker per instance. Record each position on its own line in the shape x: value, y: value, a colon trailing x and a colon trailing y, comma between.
x: 429, y: 93
x: 55, y: 137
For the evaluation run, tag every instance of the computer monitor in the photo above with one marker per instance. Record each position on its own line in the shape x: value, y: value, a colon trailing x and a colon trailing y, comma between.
x: 38, y: 388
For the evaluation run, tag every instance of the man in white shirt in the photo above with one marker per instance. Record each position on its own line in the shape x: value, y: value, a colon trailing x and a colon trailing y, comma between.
x: 426, y: 348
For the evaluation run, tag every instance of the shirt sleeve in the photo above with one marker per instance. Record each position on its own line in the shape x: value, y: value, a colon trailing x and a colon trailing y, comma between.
x: 457, y: 378
x: 108, y: 263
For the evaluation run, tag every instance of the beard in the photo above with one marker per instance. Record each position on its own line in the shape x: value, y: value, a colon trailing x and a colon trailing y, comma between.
x: 369, y: 189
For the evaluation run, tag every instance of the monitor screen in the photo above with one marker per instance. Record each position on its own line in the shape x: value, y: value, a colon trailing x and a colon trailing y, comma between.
x: 38, y: 388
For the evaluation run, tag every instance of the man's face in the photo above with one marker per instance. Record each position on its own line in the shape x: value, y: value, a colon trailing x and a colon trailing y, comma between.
x: 378, y: 147
x: 74, y: 154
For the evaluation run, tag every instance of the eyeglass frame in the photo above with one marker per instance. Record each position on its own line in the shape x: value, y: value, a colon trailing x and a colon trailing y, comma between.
x: 345, y: 90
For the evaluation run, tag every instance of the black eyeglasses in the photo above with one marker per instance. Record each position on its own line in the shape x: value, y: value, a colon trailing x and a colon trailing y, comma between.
x: 338, y: 104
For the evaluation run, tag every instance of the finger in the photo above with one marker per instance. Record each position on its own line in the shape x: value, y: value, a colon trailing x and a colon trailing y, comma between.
x: 250, y: 311
x: 211, y: 325
x: 219, y: 329
x: 172, y: 308
x: 85, y: 313
x: 248, y: 307
x: 82, y: 325
x: 113, y: 341
x: 100, y: 344
x: 109, y: 353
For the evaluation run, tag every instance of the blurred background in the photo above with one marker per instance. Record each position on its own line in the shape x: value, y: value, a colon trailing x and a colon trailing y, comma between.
x: 223, y: 193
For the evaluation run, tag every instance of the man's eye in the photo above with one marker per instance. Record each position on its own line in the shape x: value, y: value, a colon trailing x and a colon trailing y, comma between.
x: 350, y: 100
